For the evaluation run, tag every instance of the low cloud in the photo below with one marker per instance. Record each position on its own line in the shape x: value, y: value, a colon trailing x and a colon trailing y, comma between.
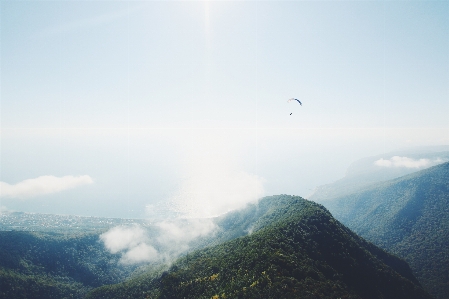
x: 168, y: 240
x: 131, y: 242
x: 42, y: 185
x: 177, y: 234
x: 140, y: 254
x: 186, y: 230
x: 405, y: 162
x: 122, y: 238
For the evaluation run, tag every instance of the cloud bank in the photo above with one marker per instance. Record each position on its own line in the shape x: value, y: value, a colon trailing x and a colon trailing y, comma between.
x: 42, y: 185
x: 121, y: 238
x: 168, y: 240
x: 405, y: 162
x: 132, y: 242
x: 140, y: 254
x: 177, y: 234
x: 213, y: 181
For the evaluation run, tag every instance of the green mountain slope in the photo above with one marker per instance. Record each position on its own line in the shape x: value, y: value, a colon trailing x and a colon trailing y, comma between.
x: 54, y: 265
x: 296, y: 250
x: 409, y: 217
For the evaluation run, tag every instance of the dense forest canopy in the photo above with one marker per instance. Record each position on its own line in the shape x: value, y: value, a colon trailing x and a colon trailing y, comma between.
x: 408, y: 216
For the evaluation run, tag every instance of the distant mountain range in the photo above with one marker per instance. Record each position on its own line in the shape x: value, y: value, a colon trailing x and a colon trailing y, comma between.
x: 283, y: 247
x: 407, y: 216
x: 370, y: 170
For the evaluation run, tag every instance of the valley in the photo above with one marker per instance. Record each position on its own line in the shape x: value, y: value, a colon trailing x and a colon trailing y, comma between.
x: 281, y: 247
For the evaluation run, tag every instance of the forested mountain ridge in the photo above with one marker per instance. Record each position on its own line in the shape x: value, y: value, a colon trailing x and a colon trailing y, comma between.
x: 53, y: 265
x: 408, y: 216
x: 296, y: 250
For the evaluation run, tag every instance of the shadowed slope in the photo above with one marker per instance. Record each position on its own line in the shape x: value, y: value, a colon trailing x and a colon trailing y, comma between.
x: 408, y: 216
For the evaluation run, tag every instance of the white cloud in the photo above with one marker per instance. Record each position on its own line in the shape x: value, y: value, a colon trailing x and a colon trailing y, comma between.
x: 176, y: 236
x: 183, y: 231
x: 131, y: 242
x: 172, y: 238
x: 139, y: 254
x: 383, y: 163
x: 121, y: 238
x: 405, y: 162
x: 46, y: 184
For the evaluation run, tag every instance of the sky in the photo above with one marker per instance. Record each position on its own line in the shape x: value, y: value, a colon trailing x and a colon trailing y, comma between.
x: 141, y: 109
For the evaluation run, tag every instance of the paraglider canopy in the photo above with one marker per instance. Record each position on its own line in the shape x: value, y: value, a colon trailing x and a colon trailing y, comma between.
x: 293, y: 99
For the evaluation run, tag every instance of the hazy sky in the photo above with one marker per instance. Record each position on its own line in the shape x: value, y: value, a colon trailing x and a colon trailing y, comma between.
x: 124, y: 108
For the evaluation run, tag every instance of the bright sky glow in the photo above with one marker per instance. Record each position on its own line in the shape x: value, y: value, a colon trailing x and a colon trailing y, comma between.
x: 162, y: 101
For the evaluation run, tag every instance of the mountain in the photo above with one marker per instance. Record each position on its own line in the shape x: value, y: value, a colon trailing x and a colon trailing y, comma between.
x: 408, y: 216
x: 370, y: 170
x: 285, y: 247
x: 54, y: 265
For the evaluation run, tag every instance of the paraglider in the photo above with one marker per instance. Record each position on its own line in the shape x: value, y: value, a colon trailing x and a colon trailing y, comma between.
x: 293, y: 99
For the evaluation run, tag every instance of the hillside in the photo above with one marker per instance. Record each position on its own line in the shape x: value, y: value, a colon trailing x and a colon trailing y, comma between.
x: 365, y: 172
x: 54, y: 265
x: 408, y: 216
x: 296, y: 250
